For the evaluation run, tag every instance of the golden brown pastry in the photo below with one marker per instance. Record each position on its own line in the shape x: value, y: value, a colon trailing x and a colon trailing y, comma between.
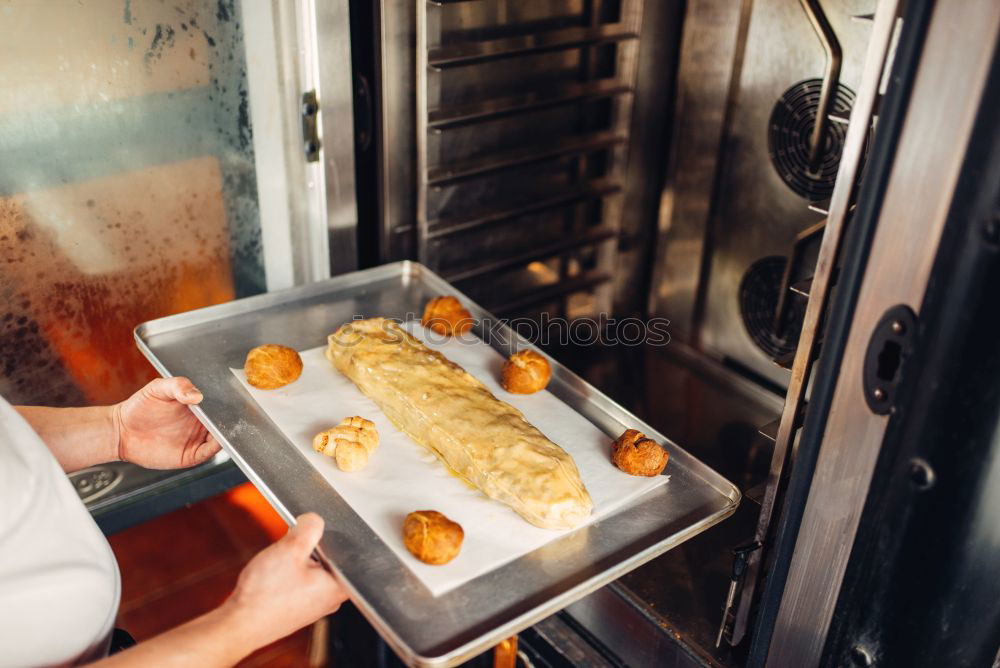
x: 637, y: 455
x: 271, y: 366
x: 350, y: 443
x: 431, y: 537
x: 485, y: 441
x: 525, y: 372
x: 446, y: 316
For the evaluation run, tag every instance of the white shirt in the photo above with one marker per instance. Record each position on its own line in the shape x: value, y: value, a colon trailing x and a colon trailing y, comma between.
x: 59, y: 582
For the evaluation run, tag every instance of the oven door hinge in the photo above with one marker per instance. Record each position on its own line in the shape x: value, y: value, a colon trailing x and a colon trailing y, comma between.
x: 310, y: 126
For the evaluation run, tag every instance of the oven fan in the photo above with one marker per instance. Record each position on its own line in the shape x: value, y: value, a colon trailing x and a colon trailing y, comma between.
x: 788, y: 136
x: 758, y: 302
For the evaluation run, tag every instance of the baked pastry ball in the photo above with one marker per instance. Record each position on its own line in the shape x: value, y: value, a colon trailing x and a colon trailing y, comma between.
x: 637, y: 455
x: 271, y: 366
x: 431, y: 537
x: 446, y: 316
x: 525, y: 372
x: 350, y: 443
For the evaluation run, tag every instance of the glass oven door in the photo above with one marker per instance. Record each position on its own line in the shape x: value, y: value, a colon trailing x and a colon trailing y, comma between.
x: 152, y: 161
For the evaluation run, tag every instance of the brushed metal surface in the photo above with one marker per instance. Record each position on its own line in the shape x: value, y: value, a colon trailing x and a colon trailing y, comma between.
x: 396, y: 147
x: 708, y: 45
x: 335, y: 86
x: 725, y: 206
x: 914, y: 209
x: 621, y: 628
x: 650, y: 132
x: 820, y: 291
x: 424, y: 630
x: 757, y: 215
x: 308, y: 210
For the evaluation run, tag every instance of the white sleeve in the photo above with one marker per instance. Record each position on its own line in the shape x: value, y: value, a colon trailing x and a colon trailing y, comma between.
x: 59, y: 582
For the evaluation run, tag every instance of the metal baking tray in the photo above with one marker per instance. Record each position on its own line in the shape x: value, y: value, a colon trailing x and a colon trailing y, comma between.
x: 425, y: 631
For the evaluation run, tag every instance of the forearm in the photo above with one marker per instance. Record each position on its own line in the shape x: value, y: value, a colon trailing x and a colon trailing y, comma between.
x: 218, y: 638
x: 280, y: 591
x: 77, y: 437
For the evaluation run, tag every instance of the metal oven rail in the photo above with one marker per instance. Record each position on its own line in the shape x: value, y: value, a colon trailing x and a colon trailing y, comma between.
x: 522, y: 131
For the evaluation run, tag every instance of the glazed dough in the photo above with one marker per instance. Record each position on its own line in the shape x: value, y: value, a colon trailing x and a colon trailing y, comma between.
x: 635, y: 454
x: 431, y: 537
x: 350, y: 443
x: 525, y: 372
x: 446, y: 316
x: 484, y: 440
x: 271, y: 366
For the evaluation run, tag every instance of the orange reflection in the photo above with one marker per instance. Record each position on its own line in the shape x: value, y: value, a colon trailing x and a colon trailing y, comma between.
x: 83, y: 264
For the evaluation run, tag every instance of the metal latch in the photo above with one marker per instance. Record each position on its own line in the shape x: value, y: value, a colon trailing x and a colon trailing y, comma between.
x: 740, y: 557
x: 310, y: 126
x: 890, y: 344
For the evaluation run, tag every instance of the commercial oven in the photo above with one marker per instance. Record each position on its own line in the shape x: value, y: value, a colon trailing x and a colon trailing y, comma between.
x: 805, y: 190
x: 733, y: 168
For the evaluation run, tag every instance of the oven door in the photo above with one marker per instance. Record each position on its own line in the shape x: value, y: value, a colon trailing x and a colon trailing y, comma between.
x: 158, y: 159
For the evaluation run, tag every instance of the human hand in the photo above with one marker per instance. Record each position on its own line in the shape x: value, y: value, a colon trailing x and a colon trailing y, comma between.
x: 156, y: 428
x: 282, y: 589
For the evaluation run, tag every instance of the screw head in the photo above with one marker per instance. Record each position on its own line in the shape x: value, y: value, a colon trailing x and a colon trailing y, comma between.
x: 897, y: 327
x: 991, y: 230
x: 921, y: 474
x: 878, y: 394
x: 861, y: 656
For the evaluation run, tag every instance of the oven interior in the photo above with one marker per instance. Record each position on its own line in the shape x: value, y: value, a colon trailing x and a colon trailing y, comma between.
x: 583, y: 157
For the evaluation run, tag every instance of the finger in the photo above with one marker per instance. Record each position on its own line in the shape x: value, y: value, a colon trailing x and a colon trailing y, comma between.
x: 304, y: 536
x: 330, y: 588
x: 174, y: 389
x: 204, y: 451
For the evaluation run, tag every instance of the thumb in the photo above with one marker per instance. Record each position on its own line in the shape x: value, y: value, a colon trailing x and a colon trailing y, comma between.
x: 304, y: 536
x: 173, y: 389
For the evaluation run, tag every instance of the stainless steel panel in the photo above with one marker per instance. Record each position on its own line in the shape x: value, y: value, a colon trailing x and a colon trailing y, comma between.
x: 819, y: 292
x: 712, y: 39
x: 725, y: 206
x: 616, y: 622
x: 424, y: 630
x: 299, y: 216
x: 396, y: 90
x: 335, y: 87
x: 914, y: 209
x: 758, y: 215
x: 649, y: 133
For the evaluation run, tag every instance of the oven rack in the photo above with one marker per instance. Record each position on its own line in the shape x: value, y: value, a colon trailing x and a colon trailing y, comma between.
x: 470, y: 53
x: 595, y: 236
x: 488, y: 168
x: 455, y: 172
x: 447, y: 117
x: 593, y: 189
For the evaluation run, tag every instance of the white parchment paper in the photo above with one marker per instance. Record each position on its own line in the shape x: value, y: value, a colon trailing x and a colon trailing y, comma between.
x: 403, y: 476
